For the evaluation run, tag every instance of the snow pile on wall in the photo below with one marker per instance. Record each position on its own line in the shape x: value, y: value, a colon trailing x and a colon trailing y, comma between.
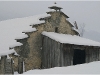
x: 70, y: 39
x: 12, y: 29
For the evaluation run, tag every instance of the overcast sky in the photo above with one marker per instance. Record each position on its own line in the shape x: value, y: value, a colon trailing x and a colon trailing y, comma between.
x: 87, y: 12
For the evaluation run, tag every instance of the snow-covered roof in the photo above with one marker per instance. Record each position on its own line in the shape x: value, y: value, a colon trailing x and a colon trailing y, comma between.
x: 13, y: 28
x: 73, y: 28
x: 8, y: 52
x: 70, y: 39
x: 22, y: 36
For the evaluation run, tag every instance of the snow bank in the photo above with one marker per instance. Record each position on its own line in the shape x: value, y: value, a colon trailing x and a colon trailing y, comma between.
x: 70, y: 39
x: 10, y: 29
x: 90, y: 68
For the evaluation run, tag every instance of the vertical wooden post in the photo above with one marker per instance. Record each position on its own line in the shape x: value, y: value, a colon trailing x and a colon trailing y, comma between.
x: 20, y: 65
x: 62, y: 54
x: 50, y: 44
x: 42, y: 53
x: 72, y: 54
x: 58, y: 54
x: 3, y: 62
x: 87, y: 55
x: 53, y: 54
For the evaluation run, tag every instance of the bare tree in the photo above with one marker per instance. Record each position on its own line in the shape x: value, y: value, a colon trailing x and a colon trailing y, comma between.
x: 81, y: 29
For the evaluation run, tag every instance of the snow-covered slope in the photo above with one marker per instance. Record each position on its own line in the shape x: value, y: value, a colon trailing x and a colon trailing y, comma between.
x: 91, y: 68
x: 12, y: 29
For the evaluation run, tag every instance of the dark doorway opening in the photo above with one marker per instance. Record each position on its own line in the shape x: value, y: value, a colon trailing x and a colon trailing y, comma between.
x: 56, y: 29
x: 79, y: 56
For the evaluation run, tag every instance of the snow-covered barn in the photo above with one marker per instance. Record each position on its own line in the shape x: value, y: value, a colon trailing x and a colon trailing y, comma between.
x: 51, y: 41
x: 65, y: 50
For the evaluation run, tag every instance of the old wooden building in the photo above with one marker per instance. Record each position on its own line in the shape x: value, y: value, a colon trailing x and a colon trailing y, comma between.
x: 64, y: 50
x: 54, y: 43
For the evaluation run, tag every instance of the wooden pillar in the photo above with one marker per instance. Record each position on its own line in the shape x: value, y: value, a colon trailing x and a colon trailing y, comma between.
x: 3, y: 62
x: 20, y: 65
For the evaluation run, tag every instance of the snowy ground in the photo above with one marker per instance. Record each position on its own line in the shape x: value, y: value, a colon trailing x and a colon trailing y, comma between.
x: 90, y: 68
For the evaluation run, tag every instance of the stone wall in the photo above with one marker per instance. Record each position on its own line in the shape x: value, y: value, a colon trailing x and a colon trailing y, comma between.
x: 59, y: 21
x: 15, y: 59
x: 31, y: 49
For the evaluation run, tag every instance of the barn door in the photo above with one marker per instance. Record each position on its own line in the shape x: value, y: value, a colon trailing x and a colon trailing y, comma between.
x: 79, y: 56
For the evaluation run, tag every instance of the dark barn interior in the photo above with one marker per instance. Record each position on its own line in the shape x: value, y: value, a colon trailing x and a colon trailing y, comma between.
x: 79, y: 56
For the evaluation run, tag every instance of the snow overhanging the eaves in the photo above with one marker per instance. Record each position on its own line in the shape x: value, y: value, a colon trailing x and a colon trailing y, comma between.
x: 7, y: 53
x: 22, y: 36
x: 73, y: 28
x: 42, y: 21
x: 30, y: 30
x: 15, y: 45
x: 70, y: 39
x: 13, y: 28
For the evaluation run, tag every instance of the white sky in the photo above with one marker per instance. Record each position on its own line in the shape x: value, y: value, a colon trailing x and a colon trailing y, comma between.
x: 87, y: 12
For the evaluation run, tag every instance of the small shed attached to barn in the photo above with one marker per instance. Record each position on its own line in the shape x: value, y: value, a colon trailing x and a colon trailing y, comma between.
x: 65, y: 49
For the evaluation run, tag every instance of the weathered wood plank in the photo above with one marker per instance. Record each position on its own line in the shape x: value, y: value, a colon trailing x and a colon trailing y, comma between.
x: 53, y: 54
x: 50, y: 53
x: 46, y: 61
x: 72, y: 54
x: 45, y: 53
x: 55, y: 57
x: 99, y: 54
x: 87, y: 55
x: 59, y: 54
x: 42, y: 52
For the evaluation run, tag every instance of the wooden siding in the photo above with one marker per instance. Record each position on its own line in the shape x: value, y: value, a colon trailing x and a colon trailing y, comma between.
x: 55, y: 54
